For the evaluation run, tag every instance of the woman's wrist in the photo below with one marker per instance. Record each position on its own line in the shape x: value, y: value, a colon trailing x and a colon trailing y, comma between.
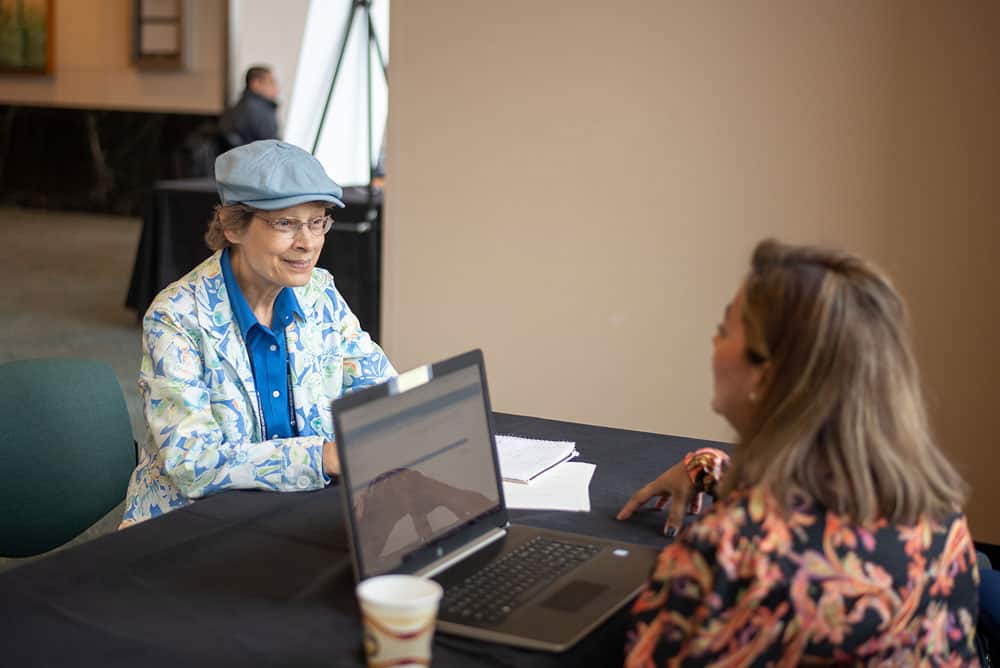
x: 331, y: 461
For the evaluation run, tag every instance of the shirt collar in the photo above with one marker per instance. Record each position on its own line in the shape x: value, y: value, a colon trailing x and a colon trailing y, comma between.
x: 285, y: 305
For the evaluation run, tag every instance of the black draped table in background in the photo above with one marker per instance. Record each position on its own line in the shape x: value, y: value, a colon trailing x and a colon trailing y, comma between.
x: 172, y: 243
x: 264, y: 579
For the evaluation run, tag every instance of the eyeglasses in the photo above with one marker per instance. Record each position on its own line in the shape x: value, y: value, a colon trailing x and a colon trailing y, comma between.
x: 290, y: 227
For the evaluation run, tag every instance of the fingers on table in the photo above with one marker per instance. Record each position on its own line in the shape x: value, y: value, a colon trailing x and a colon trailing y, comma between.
x: 696, y: 502
x: 638, y: 499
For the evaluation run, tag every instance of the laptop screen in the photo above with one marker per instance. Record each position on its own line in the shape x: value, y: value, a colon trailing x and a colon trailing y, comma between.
x: 418, y: 467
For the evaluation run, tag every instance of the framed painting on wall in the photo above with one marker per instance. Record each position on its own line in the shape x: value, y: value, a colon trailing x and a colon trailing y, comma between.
x: 26, y: 36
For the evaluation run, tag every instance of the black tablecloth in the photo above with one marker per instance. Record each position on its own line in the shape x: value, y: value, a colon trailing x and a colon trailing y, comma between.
x: 263, y: 579
x: 172, y: 243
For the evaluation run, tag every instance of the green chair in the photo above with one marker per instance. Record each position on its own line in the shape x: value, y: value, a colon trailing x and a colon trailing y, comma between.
x: 66, y: 451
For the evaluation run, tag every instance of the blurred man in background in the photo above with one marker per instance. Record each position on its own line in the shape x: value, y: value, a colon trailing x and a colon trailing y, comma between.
x: 254, y: 116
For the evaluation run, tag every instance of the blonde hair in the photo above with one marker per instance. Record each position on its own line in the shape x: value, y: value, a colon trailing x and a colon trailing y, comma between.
x: 843, y: 417
x: 227, y: 217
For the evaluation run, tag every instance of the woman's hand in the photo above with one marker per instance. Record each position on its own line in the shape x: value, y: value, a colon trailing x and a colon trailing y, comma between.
x: 673, y: 486
x: 331, y: 461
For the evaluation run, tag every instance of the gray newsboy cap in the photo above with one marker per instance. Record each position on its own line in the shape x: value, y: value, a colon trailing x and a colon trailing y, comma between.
x: 270, y: 174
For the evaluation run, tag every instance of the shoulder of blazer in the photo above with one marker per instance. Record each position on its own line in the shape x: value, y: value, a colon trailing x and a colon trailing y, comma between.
x: 198, y: 300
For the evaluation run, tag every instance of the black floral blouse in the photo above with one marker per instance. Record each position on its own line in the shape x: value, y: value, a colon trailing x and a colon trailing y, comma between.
x: 748, y: 584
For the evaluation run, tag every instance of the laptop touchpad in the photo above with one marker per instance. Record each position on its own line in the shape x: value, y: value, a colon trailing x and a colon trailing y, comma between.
x: 574, y: 596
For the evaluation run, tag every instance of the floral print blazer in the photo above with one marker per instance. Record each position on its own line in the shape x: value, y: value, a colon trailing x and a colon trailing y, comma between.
x: 203, y: 427
x: 749, y: 584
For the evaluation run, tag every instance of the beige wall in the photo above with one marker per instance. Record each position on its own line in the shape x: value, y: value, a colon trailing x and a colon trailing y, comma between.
x: 945, y: 242
x: 575, y: 188
x: 93, y: 62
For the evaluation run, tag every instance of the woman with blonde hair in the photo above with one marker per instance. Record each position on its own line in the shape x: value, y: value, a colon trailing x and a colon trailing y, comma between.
x: 837, y: 534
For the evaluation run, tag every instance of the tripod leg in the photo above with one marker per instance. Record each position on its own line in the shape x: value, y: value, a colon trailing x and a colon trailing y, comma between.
x: 336, y: 69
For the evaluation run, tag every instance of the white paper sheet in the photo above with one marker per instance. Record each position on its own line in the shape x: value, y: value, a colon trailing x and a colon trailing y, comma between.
x: 521, y: 459
x: 565, y: 487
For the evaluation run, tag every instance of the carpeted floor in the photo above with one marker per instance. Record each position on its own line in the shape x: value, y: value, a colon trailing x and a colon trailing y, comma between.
x: 65, y: 276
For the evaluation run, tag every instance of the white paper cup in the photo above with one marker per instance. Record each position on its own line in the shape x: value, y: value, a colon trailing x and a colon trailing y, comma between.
x: 398, y: 613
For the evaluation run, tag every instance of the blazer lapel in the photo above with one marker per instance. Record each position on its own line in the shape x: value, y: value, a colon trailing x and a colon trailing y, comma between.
x: 215, y: 315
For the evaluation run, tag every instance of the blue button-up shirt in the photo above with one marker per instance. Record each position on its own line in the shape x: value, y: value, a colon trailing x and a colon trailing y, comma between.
x: 268, y: 352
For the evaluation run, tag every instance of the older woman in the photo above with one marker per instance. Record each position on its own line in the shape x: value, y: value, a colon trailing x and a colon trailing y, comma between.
x: 837, y: 534
x: 243, y: 356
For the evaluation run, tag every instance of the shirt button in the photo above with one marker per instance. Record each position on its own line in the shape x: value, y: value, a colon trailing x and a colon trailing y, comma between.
x: 274, y: 348
x: 276, y: 394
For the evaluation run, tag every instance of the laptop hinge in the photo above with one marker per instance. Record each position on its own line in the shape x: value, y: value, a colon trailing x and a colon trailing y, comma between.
x: 435, y: 567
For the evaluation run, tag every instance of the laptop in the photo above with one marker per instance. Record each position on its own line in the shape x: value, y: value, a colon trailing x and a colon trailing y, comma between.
x: 423, y: 495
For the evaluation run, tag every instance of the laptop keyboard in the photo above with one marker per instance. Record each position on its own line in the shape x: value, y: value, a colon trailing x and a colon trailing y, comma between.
x: 494, y: 592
